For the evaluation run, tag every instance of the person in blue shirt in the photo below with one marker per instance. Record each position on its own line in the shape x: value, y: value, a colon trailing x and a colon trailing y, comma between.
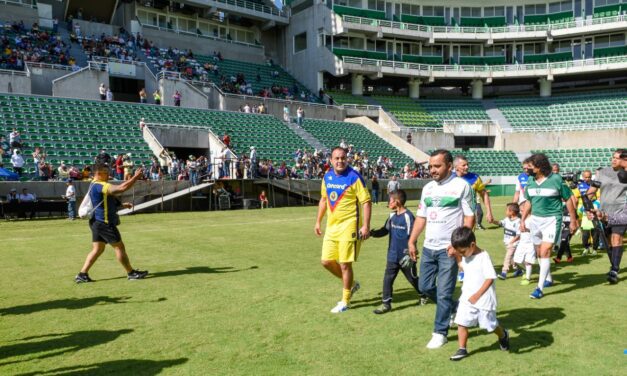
x: 398, y: 226
x: 105, y: 220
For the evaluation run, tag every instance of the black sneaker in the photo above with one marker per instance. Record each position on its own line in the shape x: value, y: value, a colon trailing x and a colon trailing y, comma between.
x: 137, y: 274
x: 504, y: 342
x: 459, y: 355
x: 385, y: 308
x: 612, y: 277
x: 82, y: 278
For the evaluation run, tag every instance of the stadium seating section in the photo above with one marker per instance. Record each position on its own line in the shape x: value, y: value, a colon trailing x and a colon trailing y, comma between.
x: 347, y: 98
x: 40, y: 46
x: 490, y: 162
x: 330, y: 133
x: 566, y: 112
x: 552, y: 18
x: 572, y: 160
x: 431, y: 113
x: 74, y: 130
x: 609, y: 10
x: 230, y: 68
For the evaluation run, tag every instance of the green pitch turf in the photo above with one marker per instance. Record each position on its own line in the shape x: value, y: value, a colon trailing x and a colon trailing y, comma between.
x: 242, y: 292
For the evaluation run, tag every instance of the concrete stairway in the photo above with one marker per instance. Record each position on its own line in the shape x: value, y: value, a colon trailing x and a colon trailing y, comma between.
x: 495, y: 114
x: 311, y: 140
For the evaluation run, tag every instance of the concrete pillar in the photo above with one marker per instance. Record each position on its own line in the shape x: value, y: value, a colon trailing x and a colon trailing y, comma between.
x: 319, y: 82
x: 545, y: 87
x: 414, y: 88
x: 477, y: 89
x: 357, y: 84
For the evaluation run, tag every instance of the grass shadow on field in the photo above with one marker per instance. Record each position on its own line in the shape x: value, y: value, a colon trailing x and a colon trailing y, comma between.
x: 115, y: 367
x: 523, y: 324
x: 199, y: 270
x: 399, y: 296
x: 56, y: 344
x: 62, y: 304
x: 575, y: 281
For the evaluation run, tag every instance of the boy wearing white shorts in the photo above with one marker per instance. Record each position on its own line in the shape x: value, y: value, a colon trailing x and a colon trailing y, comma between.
x: 477, y: 304
x: 525, y: 254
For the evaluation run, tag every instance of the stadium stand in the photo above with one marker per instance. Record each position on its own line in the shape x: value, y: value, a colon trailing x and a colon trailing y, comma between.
x: 431, y: 113
x: 566, y: 112
x: 347, y: 98
x: 330, y: 133
x: 266, y: 80
x: 491, y: 162
x: 572, y: 160
x: 74, y: 130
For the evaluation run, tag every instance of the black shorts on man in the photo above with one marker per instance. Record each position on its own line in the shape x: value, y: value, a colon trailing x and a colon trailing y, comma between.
x: 104, y: 233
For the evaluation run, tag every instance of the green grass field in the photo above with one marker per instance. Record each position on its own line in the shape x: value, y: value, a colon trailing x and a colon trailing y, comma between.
x: 243, y: 292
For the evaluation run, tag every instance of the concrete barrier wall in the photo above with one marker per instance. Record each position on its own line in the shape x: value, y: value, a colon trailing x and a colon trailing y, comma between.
x: 181, y: 138
x: 41, y: 79
x: 10, y: 83
x: 95, y: 29
x: 82, y: 84
x: 433, y: 140
x: 204, y: 46
x: 523, y: 142
x: 18, y: 13
x: 191, y: 97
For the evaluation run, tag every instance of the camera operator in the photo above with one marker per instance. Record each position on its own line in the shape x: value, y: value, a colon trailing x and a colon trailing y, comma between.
x: 613, y: 195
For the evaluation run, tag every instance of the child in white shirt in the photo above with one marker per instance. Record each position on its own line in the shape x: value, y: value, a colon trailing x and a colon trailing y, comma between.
x: 511, y: 235
x: 525, y: 254
x: 477, y: 304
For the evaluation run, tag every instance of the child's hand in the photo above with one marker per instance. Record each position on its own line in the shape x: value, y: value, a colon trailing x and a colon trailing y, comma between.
x: 474, y: 298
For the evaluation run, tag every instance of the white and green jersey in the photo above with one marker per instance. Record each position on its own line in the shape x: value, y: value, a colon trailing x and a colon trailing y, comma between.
x: 444, y: 205
x: 546, y: 197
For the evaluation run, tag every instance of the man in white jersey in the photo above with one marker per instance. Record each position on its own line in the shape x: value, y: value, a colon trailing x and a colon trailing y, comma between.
x: 446, y: 203
x: 545, y: 192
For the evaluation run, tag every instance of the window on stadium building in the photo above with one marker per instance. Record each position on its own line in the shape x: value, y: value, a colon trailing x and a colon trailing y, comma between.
x: 600, y: 3
x: 532, y: 9
x: 376, y: 4
x: 471, y: 12
x: 533, y: 48
x: 561, y: 46
x: 429, y: 10
x: 410, y: 9
x: 300, y: 42
x: 496, y: 50
x: 494, y: 12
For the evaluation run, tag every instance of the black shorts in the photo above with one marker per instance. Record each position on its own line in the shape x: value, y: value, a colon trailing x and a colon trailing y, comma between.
x: 620, y: 230
x: 104, y: 233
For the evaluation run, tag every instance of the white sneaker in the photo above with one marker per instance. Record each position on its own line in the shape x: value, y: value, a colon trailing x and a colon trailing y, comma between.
x: 340, y: 307
x: 437, y: 341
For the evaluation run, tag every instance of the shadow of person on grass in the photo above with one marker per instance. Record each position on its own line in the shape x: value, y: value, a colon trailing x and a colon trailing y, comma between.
x: 62, y: 304
x: 57, y: 344
x: 115, y: 367
x: 575, y: 281
x: 399, y: 296
x: 199, y: 270
x: 522, y: 324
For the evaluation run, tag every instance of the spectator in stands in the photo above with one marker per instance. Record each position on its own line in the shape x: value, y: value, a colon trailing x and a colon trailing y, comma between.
x: 119, y: 167
x: 246, y: 108
x: 226, y: 139
x: 156, y: 96
x: 109, y: 95
x: 263, y: 199
x: 5, y: 147
x: 38, y: 155
x: 12, y: 196
x: 15, y: 139
x: 27, y: 202
x: 300, y: 116
x: 128, y: 166
x: 63, y: 172
x: 102, y: 90
x: 254, y: 164
x: 393, y: 185
x: 192, y: 168
x: 177, y: 98
x: 86, y: 173
x: 409, y: 139
x: 75, y: 174
x: 143, y: 96
x: 155, y: 169
x: 70, y: 196
x: 18, y: 162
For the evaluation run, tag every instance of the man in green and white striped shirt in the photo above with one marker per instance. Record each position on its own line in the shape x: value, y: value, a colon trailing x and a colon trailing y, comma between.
x: 545, y: 193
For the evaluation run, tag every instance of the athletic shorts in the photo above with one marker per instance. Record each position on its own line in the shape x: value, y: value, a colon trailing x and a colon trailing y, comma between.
x: 104, y: 233
x: 470, y: 316
x: 340, y: 250
x: 617, y: 230
x: 545, y: 229
x: 525, y: 253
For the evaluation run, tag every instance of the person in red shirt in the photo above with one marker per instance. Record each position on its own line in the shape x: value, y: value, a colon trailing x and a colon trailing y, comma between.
x: 119, y: 168
x: 263, y: 199
x: 227, y: 140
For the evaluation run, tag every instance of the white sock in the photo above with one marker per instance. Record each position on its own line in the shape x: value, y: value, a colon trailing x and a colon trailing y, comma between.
x: 545, y: 270
x: 528, y: 268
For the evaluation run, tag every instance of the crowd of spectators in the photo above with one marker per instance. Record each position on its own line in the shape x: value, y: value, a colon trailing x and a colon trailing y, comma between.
x: 122, y: 46
x: 21, y: 45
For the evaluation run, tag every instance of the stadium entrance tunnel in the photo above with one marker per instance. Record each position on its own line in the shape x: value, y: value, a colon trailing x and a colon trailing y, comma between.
x: 125, y: 89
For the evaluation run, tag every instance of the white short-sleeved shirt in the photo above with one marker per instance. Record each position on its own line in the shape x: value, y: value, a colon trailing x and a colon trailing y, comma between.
x: 511, y: 229
x: 526, y: 239
x: 477, y: 269
x: 70, y: 193
x: 444, y: 205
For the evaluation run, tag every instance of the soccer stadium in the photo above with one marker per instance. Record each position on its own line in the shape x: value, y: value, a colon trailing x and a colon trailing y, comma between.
x: 254, y: 174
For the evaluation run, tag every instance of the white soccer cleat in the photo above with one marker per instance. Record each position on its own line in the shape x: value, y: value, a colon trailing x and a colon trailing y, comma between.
x: 340, y: 307
x: 437, y: 341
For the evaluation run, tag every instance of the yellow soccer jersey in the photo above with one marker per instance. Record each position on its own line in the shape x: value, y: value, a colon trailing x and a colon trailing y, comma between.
x: 345, y: 193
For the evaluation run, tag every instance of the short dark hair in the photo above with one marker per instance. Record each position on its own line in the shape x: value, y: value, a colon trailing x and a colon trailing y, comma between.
x: 541, y: 161
x: 100, y: 165
x: 400, y: 195
x: 514, y: 207
x: 448, y: 157
x: 462, y: 237
x: 622, y: 152
x: 339, y: 148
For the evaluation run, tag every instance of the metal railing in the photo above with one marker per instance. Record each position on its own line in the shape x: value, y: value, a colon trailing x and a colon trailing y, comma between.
x: 253, y: 6
x: 569, y: 127
x: 49, y: 66
x: 14, y: 72
x: 482, y: 29
x: 483, y: 68
x: 189, y: 33
x: 367, y: 107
